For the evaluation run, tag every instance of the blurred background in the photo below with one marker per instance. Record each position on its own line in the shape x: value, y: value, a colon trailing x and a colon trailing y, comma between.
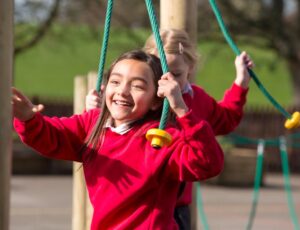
x: 57, y: 40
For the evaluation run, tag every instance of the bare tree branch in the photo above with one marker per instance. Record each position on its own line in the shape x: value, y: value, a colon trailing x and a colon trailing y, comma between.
x: 41, y: 31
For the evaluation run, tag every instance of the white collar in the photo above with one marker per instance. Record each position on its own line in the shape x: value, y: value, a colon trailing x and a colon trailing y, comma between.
x: 188, y: 89
x: 121, y: 129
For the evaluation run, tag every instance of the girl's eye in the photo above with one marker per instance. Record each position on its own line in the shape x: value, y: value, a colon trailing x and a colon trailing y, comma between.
x: 138, y: 87
x: 114, y: 82
x: 176, y: 75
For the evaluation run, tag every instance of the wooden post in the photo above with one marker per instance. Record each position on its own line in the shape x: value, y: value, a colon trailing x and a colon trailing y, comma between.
x: 82, y: 208
x: 179, y: 14
x: 6, y: 71
x: 182, y: 14
x: 91, y: 84
x: 79, y: 187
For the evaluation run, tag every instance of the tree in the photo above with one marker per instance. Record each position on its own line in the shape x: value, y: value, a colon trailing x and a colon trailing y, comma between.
x: 37, y: 32
x: 276, y: 21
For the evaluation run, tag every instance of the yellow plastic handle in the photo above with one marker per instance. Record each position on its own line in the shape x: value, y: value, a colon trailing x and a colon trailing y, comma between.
x: 294, y: 122
x: 158, y: 138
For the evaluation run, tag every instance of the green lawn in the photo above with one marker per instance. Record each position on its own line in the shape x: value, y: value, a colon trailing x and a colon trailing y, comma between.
x: 48, y: 69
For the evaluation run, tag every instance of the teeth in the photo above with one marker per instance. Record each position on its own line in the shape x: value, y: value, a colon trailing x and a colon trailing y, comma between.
x: 122, y: 103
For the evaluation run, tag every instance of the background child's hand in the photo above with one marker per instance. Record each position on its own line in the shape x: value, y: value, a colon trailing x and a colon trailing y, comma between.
x: 92, y: 100
x: 23, y: 109
x: 242, y: 62
x: 168, y: 87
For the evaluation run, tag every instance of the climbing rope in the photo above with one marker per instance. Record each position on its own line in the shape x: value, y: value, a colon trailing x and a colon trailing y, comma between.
x: 162, y: 56
x: 287, y: 183
x: 200, y: 208
x: 152, y: 135
x: 261, y: 144
x: 158, y: 137
x: 104, y: 44
x: 293, y: 121
x: 257, y: 182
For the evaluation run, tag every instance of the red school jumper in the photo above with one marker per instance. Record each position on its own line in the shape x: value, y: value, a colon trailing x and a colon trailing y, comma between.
x: 131, y: 185
x: 223, y: 116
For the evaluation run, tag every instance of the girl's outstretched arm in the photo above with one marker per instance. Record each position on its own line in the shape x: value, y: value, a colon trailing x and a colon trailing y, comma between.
x: 58, y: 138
x: 23, y: 109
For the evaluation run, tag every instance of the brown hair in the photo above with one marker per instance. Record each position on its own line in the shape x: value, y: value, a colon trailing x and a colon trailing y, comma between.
x: 96, y: 137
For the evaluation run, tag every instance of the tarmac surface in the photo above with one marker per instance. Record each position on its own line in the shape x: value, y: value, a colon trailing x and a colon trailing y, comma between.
x: 45, y: 203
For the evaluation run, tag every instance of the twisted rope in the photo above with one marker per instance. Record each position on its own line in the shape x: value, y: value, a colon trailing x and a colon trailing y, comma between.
x: 238, y: 52
x: 163, y: 60
x: 104, y: 44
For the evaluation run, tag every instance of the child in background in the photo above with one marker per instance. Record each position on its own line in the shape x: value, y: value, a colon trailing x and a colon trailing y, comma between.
x: 223, y: 116
x: 131, y: 185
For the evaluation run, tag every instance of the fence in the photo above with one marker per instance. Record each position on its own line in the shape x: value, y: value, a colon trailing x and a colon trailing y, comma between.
x: 258, y: 122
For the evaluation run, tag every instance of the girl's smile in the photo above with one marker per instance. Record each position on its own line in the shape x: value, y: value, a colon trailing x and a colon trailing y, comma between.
x: 130, y: 91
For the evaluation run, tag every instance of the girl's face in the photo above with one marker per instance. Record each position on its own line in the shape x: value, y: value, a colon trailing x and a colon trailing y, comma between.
x: 179, y: 68
x: 130, y: 91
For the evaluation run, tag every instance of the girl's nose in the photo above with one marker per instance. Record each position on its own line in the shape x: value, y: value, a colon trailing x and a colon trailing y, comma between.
x: 123, y: 89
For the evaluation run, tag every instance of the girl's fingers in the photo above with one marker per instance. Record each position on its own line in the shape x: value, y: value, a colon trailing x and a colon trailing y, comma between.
x: 38, y: 108
x: 102, y: 87
x: 17, y: 93
x: 167, y: 76
x: 170, y: 76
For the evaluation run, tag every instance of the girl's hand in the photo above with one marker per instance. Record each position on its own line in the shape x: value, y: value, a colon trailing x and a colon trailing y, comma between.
x: 168, y: 87
x: 242, y: 63
x: 92, y: 100
x: 23, y: 109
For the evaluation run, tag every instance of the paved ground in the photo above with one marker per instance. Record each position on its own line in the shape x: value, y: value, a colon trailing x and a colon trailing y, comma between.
x: 45, y: 203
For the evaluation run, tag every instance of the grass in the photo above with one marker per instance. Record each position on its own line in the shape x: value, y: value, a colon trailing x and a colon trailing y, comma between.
x: 48, y: 69
x: 218, y: 72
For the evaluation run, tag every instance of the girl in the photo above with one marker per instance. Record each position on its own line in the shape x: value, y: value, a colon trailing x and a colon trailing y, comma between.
x: 223, y: 116
x: 131, y: 185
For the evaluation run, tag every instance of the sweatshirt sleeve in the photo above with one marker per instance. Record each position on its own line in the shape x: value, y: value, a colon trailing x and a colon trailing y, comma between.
x: 224, y: 116
x: 58, y: 138
x: 196, y: 154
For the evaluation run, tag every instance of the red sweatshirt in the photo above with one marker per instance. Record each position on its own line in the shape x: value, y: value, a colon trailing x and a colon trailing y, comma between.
x: 223, y: 116
x: 131, y: 185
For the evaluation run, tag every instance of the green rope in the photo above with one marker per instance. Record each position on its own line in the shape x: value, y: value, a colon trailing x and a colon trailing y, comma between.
x: 155, y: 29
x: 104, y: 44
x: 237, y: 52
x: 200, y: 208
x: 257, y: 182
x: 273, y: 142
x: 287, y: 183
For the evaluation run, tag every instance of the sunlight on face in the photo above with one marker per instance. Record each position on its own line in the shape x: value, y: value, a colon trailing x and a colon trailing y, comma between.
x: 179, y: 68
x: 130, y: 91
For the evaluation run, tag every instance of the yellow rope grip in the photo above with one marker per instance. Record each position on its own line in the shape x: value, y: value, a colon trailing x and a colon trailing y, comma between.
x: 158, y: 138
x: 294, y: 122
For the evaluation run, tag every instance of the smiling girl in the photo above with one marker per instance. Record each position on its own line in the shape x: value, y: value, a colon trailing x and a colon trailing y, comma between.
x: 131, y: 185
x: 223, y: 116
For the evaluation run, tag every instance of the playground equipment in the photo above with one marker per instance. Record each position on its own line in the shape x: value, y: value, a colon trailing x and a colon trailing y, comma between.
x: 185, y: 13
x: 281, y: 143
x: 293, y: 121
x: 6, y: 70
x: 158, y: 137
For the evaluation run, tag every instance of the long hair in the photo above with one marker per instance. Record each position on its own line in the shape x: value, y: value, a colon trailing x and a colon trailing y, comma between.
x: 96, y: 137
